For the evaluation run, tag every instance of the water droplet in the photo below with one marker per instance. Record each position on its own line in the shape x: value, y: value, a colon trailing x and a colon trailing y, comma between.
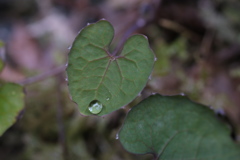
x: 107, y: 99
x: 220, y: 112
x: 66, y: 79
x: 139, y: 94
x: 88, y: 24
x: 117, y: 137
x: 182, y: 94
x: 66, y: 64
x: 154, y: 93
x: 155, y: 59
x: 70, y: 47
x: 150, y: 77
x: 95, y: 107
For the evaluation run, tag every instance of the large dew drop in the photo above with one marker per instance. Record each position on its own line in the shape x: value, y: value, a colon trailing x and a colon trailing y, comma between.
x: 95, y: 107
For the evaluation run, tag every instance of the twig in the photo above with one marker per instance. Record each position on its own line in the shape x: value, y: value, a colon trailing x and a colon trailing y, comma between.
x: 206, y: 43
x: 176, y: 27
x: 140, y: 22
x: 61, y: 128
x: 42, y: 76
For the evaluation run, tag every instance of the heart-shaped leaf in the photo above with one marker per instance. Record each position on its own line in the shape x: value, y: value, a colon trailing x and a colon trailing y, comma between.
x: 11, y: 103
x: 100, y: 82
x: 175, y: 128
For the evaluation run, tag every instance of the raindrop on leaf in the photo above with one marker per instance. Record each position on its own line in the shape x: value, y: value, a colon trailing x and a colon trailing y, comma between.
x: 150, y: 77
x: 117, y: 137
x: 95, y: 107
x: 182, y: 94
x: 220, y: 112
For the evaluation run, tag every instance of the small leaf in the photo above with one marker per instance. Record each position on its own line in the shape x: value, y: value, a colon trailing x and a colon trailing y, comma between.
x: 96, y: 75
x: 175, y: 128
x: 11, y: 103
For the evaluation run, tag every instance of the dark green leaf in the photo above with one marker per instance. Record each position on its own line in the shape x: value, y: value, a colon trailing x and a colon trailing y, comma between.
x: 175, y: 128
x: 100, y: 80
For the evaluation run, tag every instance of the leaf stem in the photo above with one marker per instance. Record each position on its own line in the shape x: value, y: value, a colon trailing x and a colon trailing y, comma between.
x: 42, y: 76
x: 61, y: 128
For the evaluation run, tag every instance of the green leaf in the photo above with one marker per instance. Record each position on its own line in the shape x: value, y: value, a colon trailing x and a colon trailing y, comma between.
x: 95, y: 75
x: 11, y: 103
x: 175, y: 128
